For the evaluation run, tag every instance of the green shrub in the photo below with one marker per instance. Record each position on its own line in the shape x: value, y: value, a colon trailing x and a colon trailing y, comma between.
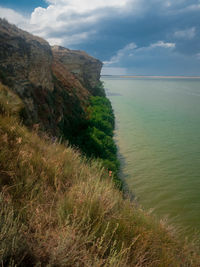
x: 95, y: 136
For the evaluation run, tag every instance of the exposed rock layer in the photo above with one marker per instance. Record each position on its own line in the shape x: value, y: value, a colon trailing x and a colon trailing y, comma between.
x: 86, y: 68
x: 24, y: 58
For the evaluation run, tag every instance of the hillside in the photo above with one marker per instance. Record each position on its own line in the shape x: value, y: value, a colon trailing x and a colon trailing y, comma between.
x: 58, y: 204
x: 59, y: 209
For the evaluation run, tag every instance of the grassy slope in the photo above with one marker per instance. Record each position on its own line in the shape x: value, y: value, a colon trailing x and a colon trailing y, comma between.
x: 58, y: 209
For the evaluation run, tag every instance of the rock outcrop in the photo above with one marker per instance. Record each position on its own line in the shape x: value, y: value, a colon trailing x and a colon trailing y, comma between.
x: 24, y: 58
x: 53, y: 83
x: 84, y: 67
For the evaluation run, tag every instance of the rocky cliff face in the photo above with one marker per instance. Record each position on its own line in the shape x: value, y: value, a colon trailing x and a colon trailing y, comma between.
x: 54, y: 84
x: 84, y: 67
x: 24, y: 58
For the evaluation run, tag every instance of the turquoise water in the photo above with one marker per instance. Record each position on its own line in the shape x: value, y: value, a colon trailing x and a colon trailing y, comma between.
x: 158, y: 135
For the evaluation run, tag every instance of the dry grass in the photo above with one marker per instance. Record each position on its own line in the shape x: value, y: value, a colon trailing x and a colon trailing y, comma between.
x: 10, y: 103
x: 58, y: 209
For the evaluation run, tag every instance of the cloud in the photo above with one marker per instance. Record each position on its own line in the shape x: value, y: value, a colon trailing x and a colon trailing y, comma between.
x: 155, y: 60
x: 72, y: 40
x: 73, y: 20
x: 86, y: 5
x: 160, y: 58
x: 120, y: 54
x: 163, y: 44
x: 186, y: 34
x: 131, y: 50
x: 13, y: 17
x: 194, y: 7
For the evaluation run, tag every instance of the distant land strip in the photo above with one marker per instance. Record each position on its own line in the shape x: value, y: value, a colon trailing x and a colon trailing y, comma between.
x: 156, y: 77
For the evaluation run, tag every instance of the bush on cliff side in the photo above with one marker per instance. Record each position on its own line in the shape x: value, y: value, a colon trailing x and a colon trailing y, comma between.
x: 96, y: 137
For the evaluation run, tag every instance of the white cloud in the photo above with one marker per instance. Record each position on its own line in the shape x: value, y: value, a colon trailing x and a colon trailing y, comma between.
x: 189, y: 7
x: 70, y: 20
x: 13, y: 17
x: 163, y: 44
x: 55, y: 41
x: 58, y: 19
x: 186, y: 34
x: 127, y: 49
x: 72, y: 39
x: 86, y: 5
x: 131, y: 49
x: 58, y: 25
x: 193, y: 7
x: 42, y: 27
x: 67, y: 18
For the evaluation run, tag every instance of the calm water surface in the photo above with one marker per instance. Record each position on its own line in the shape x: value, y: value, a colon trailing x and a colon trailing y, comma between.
x: 158, y: 135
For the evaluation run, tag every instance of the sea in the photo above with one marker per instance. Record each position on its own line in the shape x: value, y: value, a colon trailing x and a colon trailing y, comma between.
x: 158, y: 137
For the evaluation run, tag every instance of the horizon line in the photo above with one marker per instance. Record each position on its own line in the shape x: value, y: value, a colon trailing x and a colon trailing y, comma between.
x: 151, y: 76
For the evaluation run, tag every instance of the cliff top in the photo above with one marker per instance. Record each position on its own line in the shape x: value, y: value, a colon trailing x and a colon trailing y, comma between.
x: 79, y: 53
x: 11, y: 30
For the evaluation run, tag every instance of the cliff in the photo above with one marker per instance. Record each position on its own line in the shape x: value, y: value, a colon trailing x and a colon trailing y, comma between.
x: 84, y: 67
x: 54, y: 84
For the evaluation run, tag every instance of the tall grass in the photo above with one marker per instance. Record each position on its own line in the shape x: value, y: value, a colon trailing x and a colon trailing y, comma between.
x: 59, y: 209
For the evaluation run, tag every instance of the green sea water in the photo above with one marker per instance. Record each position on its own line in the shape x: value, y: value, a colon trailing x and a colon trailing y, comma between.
x: 158, y: 136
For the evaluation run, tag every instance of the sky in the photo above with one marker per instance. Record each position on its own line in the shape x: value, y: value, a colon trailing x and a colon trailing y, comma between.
x: 131, y: 37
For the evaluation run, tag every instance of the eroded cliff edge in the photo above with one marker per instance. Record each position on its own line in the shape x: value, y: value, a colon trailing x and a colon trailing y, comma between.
x: 54, y: 83
x: 84, y: 67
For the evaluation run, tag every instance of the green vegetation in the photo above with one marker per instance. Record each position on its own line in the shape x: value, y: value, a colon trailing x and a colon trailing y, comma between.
x: 96, y: 138
x: 59, y: 209
x: 98, y: 90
